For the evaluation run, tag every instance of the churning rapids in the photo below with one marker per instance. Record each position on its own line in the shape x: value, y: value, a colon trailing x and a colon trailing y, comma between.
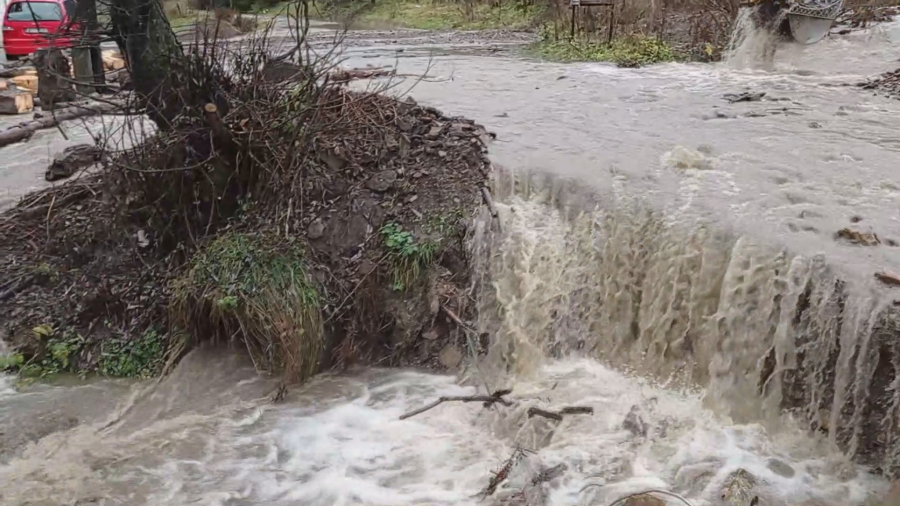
x: 669, y: 235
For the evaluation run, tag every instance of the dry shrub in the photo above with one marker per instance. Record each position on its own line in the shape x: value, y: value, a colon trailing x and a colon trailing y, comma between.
x: 254, y: 286
x: 175, y: 9
x: 238, y: 134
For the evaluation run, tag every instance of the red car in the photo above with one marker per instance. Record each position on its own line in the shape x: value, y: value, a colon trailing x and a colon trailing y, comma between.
x: 29, y: 25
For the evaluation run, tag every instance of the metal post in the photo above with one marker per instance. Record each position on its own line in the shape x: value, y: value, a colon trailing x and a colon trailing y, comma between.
x: 572, y: 35
x: 612, y: 23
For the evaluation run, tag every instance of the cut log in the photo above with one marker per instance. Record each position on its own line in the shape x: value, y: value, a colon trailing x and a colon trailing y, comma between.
x: 24, y: 130
x: 15, y: 102
x: 112, y: 60
x: 27, y: 82
x: 4, y: 85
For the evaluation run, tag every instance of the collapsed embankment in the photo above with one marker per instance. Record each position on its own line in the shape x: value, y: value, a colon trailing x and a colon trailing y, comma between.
x: 312, y: 225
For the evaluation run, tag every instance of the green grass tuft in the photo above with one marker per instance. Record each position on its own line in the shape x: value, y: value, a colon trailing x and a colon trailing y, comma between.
x: 255, y: 287
x: 626, y: 52
x: 407, y: 255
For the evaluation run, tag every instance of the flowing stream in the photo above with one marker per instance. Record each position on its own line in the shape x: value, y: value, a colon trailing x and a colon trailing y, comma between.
x: 667, y: 258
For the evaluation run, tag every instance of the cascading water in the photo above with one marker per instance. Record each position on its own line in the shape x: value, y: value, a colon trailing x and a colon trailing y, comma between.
x: 763, y: 330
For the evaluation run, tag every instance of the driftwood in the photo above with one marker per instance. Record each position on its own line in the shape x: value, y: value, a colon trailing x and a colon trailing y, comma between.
x: 488, y: 400
x: 24, y: 131
x: 489, y: 202
x: 343, y: 76
x: 558, y: 415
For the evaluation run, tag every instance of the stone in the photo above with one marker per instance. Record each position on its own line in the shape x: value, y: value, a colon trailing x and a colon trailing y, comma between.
x: 644, y: 500
x: 634, y: 423
x: 738, y: 488
x: 744, y: 97
x: 435, y: 131
x: 71, y: 160
x: 450, y: 357
x: 382, y: 181
x: 316, y: 229
x: 780, y: 468
x: 16, y: 102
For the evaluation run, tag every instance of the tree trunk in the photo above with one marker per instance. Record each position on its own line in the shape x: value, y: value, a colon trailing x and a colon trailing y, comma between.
x: 153, y: 55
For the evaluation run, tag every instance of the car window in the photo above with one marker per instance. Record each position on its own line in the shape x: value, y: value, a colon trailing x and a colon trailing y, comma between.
x: 29, y: 11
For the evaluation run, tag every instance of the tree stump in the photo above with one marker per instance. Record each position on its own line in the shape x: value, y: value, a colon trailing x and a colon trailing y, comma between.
x: 54, y: 72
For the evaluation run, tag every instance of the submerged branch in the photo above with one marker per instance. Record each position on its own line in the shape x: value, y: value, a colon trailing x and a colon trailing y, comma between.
x: 488, y: 400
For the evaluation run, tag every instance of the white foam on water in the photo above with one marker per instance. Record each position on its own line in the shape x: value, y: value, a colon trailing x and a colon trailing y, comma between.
x: 357, y: 452
x: 7, y: 387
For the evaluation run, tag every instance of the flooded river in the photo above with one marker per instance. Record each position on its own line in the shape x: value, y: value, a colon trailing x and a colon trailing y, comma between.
x: 652, y: 229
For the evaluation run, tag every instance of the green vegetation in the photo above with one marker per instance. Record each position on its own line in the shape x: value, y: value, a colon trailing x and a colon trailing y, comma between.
x: 59, y: 352
x: 137, y: 358
x: 468, y: 15
x: 256, y: 287
x: 406, y: 254
x: 627, y: 52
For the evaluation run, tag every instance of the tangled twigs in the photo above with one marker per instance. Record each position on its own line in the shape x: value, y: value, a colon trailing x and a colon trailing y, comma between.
x: 558, y: 415
x: 503, y: 473
x: 488, y: 400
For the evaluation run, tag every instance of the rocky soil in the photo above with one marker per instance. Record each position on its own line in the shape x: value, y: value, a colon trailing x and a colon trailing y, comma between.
x: 82, y: 277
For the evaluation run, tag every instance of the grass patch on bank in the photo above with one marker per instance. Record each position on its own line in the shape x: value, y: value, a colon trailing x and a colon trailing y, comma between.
x: 626, y: 52
x: 67, y: 351
x: 436, y: 16
x: 255, y: 287
x: 408, y: 255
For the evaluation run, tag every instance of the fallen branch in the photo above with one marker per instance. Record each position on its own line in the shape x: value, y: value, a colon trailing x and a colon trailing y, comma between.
x: 532, y: 412
x: 558, y: 416
x: 24, y: 283
x: 456, y: 319
x: 343, y: 76
x: 503, y: 473
x: 23, y: 131
x: 486, y: 194
x: 488, y: 400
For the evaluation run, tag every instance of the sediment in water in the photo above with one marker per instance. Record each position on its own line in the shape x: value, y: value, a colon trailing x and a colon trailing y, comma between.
x: 767, y: 332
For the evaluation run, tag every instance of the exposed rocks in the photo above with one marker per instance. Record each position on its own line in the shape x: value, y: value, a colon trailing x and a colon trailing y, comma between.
x: 747, y: 96
x: 738, y: 488
x: 382, y: 181
x: 780, y: 468
x: 316, y: 229
x: 635, y: 423
x: 644, y: 500
x: 888, y: 84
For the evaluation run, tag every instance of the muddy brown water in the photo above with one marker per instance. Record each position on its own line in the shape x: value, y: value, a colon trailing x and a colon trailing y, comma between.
x: 666, y: 231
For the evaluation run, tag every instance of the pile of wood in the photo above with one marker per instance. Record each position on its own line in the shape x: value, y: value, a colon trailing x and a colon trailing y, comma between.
x: 18, y: 86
